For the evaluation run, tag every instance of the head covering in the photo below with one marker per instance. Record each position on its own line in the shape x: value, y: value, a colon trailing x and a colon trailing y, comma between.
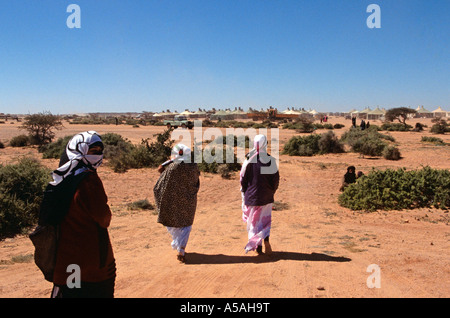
x: 77, y: 159
x: 259, y: 145
x: 181, y: 153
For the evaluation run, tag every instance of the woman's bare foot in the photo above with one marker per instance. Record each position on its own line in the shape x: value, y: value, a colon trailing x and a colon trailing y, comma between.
x: 181, y: 258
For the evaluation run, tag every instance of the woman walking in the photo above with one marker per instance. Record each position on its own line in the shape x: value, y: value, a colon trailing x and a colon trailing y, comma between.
x: 176, y: 197
x: 259, y: 180
x: 83, y: 236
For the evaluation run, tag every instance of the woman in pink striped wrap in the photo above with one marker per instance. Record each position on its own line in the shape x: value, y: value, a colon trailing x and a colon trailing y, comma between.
x: 259, y: 180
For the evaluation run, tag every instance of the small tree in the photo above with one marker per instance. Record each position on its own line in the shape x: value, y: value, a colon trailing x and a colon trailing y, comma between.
x: 399, y: 113
x: 40, y: 127
x: 440, y: 126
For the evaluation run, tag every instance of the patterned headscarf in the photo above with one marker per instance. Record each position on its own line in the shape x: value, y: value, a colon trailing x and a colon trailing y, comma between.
x: 78, y: 159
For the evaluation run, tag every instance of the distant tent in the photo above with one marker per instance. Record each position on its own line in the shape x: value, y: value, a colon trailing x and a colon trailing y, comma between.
x: 199, y: 114
x: 168, y: 114
x: 363, y: 113
x: 292, y: 112
x: 238, y: 113
x: 439, y: 112
x: 423, y: 113
x: 221, y: 115
x: 375, y: 114
x: 187, y: 113
x: 301, y: 111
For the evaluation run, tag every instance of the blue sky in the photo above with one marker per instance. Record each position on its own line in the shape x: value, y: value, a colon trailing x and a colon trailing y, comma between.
x: 146, y: 55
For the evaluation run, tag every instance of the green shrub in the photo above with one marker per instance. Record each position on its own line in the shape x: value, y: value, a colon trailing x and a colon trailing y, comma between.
x: 233, y: 141
x: 338, y: 126
x: 302, y: 146
x: 398, y: 189
x: 302, y: 125
x: 55, y: 149
x: 391, y: 153
x: 329, y: 143
x: 19, y: 141
x: 228, y: 164
x: 366, y: 142
x: 21, y: 189
x: 128, y: 156
x: 440, y: 127
x: 115, y: 145
x: 395, y: 127
x: 313, y: 144
x: 434, y: 140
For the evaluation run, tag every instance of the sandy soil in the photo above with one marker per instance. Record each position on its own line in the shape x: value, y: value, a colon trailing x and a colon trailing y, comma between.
x: 320, y: 248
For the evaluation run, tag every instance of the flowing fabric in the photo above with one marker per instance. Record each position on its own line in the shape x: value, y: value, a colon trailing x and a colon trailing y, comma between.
x: 259, y: 221
x: 258, y: 218
x: 180, y: 237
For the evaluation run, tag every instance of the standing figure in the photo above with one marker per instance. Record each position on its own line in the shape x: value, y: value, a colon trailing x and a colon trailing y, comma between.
x: 259, y: 178
x: 176, y: 197
x: 363, y: 125
x: 83, y: 235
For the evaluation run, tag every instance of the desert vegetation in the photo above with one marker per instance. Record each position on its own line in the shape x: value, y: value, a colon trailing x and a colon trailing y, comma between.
x: 399, y: 189
x: 21, y: 189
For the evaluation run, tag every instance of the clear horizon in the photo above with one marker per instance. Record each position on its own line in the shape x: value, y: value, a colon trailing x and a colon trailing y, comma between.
x: 151, y: 56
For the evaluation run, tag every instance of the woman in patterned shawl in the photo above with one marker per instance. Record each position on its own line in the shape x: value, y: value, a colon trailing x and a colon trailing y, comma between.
x: 176, y: 196
x: 259, y: 181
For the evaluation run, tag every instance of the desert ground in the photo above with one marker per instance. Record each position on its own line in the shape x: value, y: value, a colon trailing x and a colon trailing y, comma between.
x: 320, y: 248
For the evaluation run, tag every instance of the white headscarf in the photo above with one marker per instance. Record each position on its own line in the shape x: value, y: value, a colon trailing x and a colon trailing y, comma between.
x: 76, y: 150
x: 259, y: 145
x: 181, y: 153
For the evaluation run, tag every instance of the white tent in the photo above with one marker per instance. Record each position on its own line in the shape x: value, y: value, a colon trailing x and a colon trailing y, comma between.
x: 423, y: 113
x: 186, y: 113
x: 377, y: 113
x: 439, y: 112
